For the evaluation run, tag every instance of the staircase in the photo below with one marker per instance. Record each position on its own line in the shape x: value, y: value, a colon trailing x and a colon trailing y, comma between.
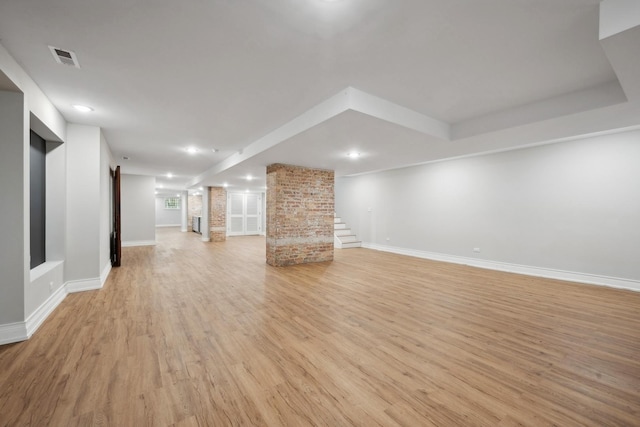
x: 343, y: 238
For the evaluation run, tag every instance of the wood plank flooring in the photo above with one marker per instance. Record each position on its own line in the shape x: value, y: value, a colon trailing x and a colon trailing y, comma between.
x: 195, y: 334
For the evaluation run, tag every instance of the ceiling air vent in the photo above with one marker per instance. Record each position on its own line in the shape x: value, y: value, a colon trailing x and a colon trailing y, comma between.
x: 65, y: 57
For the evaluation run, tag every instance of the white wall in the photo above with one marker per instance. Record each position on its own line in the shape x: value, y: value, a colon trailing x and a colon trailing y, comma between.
x: 570, y: 207
x: 138, y: 210
x: 106, y: 164
x: 20, y: 296
x: 167, y: 217
x: 47, y: 279
x: 76, y: 242
x: 14, y: 212
x: 20, y: 293
x: 83, y: 203
x: 38, y: 104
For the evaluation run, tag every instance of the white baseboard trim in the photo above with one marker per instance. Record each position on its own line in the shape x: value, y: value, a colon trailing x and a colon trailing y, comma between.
x: 40, y: 315
x: 13, y: 332
x: 105, y: 274
x: 168, y: 225
x: 570, y: 276
x: 139, y: 243
x: 21, y: 331
x: 83, y: 285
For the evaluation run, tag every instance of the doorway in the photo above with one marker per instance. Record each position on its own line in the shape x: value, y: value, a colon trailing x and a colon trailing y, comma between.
x: 116, y: 222
x: 244, y: 214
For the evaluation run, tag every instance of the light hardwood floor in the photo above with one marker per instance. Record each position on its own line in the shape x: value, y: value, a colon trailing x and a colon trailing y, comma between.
x: 194, y: 334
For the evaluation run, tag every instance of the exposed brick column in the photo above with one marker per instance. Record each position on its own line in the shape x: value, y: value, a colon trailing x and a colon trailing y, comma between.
x: 194, y: 208
x: 300, y: 209
x: 217, y: 214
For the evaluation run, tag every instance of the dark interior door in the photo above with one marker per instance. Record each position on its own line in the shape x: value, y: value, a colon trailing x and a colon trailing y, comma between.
x: 116, y: 239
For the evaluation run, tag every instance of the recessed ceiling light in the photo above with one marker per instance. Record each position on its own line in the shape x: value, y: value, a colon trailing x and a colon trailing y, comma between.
x: 249, y: 177
x: 178, y: 195
x: 169, y: 175
x: 192, y: 150
x: 200, y: 188
x: 83, y: 108
x: 225, y: 185
x: 353, y: 155
x: 215, y: 150
x: 156, y: 192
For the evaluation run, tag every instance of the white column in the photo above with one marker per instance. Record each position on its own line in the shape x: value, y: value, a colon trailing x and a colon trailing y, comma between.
x: 82, y: 259
x: 14, y: 211
x: 204, y: 223
x: 184, y: 212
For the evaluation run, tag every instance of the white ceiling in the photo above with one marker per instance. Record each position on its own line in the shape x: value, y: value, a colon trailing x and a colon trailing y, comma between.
x: 424, y: 80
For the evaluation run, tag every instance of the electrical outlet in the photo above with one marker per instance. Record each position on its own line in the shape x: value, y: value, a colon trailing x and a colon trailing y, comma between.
x: 476, y: 249
x: 369, y: 209
x: 51, y: 286
x: 388, y: 238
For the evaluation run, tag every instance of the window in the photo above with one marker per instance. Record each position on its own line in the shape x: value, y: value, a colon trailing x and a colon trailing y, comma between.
x: 172, y: 203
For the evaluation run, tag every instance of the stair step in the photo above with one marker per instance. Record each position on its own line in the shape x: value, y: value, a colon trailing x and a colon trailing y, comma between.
x: 357, y: 244
x: 343, y: 236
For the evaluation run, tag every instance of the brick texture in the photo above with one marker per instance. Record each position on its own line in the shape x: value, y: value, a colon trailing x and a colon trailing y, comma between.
x: 194, y: 208
x: 217, y: 214
x: 300, y: 210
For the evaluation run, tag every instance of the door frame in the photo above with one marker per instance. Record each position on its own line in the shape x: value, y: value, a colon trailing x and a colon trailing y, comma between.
x: 116, y: 222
